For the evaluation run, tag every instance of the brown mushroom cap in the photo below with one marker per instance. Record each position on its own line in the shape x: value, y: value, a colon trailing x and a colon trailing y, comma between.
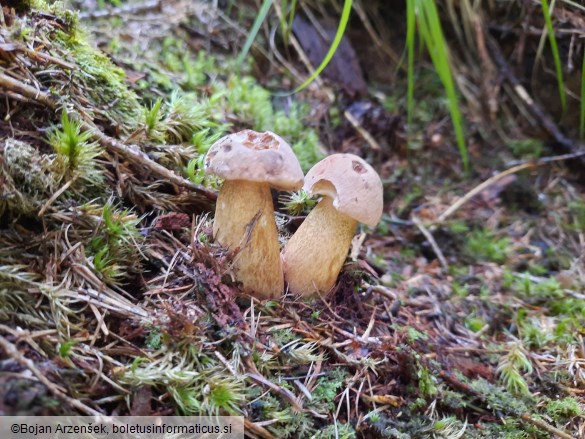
x: 252, y: 156
x: 354, y: 186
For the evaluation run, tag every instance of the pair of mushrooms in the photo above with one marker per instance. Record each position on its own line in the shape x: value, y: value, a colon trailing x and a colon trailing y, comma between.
x: 251, y: 163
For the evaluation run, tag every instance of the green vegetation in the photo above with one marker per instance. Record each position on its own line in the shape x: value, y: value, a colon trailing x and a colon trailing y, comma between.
x: 555, y: 53
x: 298, y: 202
x: 526, y: 148
x: 424, y: 17
x: 483, y: 245
x: 104, y: 82
x: 111, y: 281
x: 512, y: 366
x: 76, y: 154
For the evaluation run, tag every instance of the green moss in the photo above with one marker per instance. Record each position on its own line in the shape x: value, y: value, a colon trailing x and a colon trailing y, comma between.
x: 327, y: 388
x: 26, y: 178
x: 498, y: 399
x: 483, y: 245
x: 113, y: 249
x: 526, y: 148
x: 282, y: 337
x: 414, y: 335
x: 562, y: 410
x: 458, y: 227
x: 474, y: 323
x: 100, y: 78
x: 338, y: 431
x: 577, y: 210
x: 75, y: 153
x: 426, y: 382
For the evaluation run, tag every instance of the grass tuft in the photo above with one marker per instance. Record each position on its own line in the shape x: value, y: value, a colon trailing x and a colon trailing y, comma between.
x: 425, y: 15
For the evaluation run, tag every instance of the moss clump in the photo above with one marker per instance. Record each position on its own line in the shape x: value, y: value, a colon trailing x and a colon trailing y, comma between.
x: 103, y: 83
x: 483, y: 245
x: 564, y: 409
x: 75, y: 153
x: 25, y: 178
x: 327, y: 389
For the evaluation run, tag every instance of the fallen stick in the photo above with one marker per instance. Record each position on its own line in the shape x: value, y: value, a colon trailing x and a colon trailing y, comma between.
x: 12, y: 352
x: 517, y: 166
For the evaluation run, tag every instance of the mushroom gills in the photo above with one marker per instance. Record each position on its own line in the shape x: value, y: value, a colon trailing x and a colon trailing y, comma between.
x: 314, y: 256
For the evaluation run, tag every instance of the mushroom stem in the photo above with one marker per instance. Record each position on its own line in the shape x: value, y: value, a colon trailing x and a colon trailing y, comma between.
x: 313, y: 257
x: 244, y: 223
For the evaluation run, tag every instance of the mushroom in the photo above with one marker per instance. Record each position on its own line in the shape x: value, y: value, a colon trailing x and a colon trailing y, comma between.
x: 250, y: 163
x: 352, y: 193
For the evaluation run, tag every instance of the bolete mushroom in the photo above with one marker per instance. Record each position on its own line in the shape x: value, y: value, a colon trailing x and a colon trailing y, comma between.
x: 250, y: 163
x: 352, y: 193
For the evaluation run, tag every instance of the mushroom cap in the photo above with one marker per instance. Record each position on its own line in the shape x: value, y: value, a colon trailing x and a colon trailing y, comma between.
x: 253, y: 156
x: 354, y: 186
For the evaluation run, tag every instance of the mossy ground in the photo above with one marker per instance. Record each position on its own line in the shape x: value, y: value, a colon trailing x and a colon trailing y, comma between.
x: 110, y: 282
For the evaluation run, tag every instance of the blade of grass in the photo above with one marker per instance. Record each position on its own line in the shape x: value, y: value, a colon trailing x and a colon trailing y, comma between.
x: 347, y: 5
x: 410, y: 42
x: 287, y: 21
x: 283, y: 22
x: 291, y: 17
x: 582, y: 115
x: 431, y: 32
x: 255, y: 29
x: 555, y: 52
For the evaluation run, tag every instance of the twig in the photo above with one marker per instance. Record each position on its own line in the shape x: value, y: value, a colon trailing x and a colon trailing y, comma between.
x: 11, y: 350
x: 56, y: 195
x: 45, y: 57
x: 547, y: 427
x: 27, y: 91
x: 476, y: 190
x: 550, y: 159
x: 135, y: 155
x: 285, y: 393
x: 363, y: 132
x: 516, y: 167
x: 257, y: 430
x: 431, y: 239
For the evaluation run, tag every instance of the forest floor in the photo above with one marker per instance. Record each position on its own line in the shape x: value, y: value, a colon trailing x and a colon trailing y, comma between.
x: 461, y: 314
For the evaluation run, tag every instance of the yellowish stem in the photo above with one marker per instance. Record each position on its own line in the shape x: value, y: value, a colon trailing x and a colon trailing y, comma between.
x: 244, y: 223
x: 313, y: 257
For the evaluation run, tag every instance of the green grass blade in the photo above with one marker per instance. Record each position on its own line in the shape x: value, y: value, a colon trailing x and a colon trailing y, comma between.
x: 410, y: 42
x: 283, y: 22
x: 291, y: 17
x: 555, y: 51
x: 582, y: 115
x: 432, y: 34
x: 286, y: 18
x: 255, y: 29
x: 338, y: 36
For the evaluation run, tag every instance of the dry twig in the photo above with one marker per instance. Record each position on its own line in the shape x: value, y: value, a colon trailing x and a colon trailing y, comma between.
x: 12, y: 351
